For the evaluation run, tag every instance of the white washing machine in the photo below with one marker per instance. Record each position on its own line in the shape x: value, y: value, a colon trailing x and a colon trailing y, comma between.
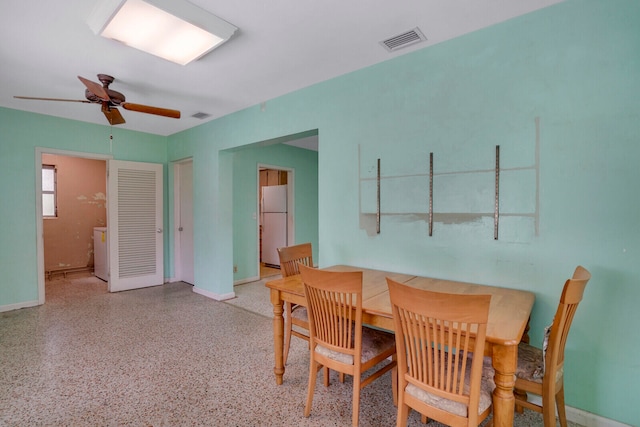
x: 101, y: 253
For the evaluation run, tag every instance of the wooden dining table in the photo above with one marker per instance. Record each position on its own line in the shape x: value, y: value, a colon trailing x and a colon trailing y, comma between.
x: 508, y: 320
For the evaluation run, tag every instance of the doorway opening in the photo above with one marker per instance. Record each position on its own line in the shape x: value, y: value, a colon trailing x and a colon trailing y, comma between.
x: 65, y: 245
x: 296, y: 152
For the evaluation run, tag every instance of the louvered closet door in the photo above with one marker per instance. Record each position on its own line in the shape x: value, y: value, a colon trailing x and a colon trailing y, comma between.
x: 134, y: 224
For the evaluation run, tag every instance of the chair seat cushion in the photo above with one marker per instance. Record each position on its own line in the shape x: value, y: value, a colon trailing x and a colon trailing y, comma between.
x: 531, y: 364
x: 374, y: 342
x: 457, y: 408
x: 299, y: 312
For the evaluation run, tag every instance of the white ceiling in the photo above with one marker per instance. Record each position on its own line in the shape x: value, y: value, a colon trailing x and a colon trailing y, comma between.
x: 281, y: 46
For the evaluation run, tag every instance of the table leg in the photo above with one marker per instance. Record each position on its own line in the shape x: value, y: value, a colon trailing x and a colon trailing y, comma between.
x: 522, y: 395
x: 278, y: 334
x: 504, y: 360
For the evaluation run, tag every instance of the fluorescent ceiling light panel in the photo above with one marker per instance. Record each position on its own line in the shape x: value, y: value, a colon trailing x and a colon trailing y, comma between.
x: 175, y: 30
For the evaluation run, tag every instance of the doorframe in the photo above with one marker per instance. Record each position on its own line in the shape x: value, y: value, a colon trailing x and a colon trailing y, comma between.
x: 177, y: 249
x: 291, y: 217
x: 39, y: 151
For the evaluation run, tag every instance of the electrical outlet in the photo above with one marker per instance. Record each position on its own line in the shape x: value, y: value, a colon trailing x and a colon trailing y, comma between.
x: 235, y: 268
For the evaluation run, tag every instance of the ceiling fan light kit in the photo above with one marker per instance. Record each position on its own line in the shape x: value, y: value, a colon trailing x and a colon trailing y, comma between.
x: 175, y: 30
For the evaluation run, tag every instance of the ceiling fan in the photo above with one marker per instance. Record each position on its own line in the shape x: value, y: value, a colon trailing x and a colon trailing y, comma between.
x: 109, y: 99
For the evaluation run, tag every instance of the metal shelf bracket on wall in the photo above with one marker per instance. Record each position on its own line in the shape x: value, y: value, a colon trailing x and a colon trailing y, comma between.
x: 430, y: 194
x: 378, y: 200
x: 496, y: 212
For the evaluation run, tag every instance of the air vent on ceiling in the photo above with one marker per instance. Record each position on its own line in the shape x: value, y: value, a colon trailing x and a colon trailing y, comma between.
x: 201, y: 116
x: 405, y: 39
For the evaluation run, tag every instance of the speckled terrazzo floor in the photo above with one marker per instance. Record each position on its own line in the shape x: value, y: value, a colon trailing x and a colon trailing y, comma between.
x: 164, y: 356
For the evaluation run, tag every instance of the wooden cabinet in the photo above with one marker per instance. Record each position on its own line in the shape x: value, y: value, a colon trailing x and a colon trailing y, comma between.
x: 272, y: 177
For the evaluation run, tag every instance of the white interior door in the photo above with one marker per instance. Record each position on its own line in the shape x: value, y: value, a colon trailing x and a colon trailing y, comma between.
x: 184, y: 219
x: 134, y: 224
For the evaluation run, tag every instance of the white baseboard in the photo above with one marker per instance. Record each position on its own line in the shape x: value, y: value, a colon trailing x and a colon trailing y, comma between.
x: 213, y: 295
x: 587, y: 419
x: 584, y: 418
x: 237, y: 282
x: 246, y: 280
x: 26, y: 304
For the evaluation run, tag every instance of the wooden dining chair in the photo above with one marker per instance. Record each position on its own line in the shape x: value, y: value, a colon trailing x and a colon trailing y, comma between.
x: 290, y: 258
x: 541, y: 370
x: 440, y: 340
x: 338, y: 339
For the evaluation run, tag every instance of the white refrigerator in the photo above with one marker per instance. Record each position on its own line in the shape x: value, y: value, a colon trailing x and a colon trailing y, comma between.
x: 274, y: 222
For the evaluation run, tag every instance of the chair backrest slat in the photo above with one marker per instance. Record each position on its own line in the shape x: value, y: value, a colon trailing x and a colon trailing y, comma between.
x: 292, y: 256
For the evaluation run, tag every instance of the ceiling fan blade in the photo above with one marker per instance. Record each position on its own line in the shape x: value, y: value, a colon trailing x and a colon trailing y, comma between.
x: 54, y: 99
x: 112, y: 114
x: 95, y: 88
x: 175, y: 114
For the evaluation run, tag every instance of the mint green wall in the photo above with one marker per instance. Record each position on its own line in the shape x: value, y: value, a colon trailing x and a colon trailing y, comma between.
x: 21, y: 133
x: 305, y: 166
x: 557, y: 90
